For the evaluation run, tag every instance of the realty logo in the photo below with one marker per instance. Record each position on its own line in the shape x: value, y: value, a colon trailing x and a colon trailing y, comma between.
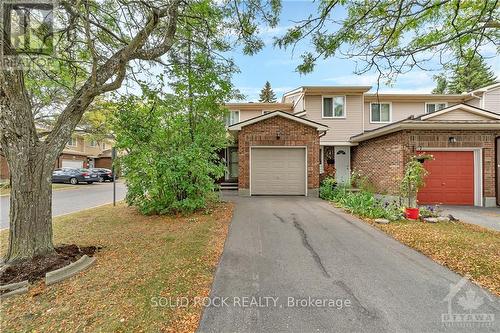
x: 27, y: 32
x: 464, y: 306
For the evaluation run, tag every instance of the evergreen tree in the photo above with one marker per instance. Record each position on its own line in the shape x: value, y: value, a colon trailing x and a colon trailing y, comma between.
x: 441, y: 84
x: 267, y: 94
x: 468, y: 75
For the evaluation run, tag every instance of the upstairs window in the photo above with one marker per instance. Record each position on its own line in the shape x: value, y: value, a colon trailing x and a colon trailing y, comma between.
x: 93, y: 143
x: 333, y: 107
x: 72, y: 142
x: 380, y: 112
x: 433, y: 107
x: 232, y: 117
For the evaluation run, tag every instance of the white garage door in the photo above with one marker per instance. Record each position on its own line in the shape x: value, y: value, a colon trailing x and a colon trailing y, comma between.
x: 278, y: 171
x: 72, y: 164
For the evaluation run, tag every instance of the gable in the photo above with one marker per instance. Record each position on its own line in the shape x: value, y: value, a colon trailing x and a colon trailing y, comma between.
x: 461, y: 112
x: 278, y: 114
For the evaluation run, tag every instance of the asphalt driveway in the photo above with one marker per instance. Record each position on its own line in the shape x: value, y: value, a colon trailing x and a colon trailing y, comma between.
x: 293, y: 264
x: 79, y: 197
x: 485, y: 217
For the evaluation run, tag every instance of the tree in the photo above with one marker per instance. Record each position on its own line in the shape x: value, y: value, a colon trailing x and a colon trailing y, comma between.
x: 394, y: 36
x: 469, y: 74
x: 441, y: 84
x: 100, y: 45
x: 267, y: 94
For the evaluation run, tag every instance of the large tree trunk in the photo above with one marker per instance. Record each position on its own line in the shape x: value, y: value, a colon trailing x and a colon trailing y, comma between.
x: 30, y: 232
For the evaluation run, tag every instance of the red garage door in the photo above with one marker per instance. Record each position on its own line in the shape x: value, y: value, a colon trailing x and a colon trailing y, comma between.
x: 450, y: 180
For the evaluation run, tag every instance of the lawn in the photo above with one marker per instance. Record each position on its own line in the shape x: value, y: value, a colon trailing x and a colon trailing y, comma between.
x: 143, y: 260
x: 55, y: 187
x: 467, y: 249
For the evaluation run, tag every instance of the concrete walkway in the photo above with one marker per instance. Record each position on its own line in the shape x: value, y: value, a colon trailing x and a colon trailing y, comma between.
x: 485, y: 217
x: 293, y: 264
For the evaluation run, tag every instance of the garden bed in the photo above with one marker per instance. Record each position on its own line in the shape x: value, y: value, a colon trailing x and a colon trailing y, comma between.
x: 35, y: 269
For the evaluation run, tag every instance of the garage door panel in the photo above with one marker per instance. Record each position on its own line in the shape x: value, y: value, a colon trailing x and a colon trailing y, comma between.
x: 450, y: 179
x: 278, y: 171
x: 72, y: 163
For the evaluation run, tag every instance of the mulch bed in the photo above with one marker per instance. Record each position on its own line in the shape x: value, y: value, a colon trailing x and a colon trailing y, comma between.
x: 35, y: 269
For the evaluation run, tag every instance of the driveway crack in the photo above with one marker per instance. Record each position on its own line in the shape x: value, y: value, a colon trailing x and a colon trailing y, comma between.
x: 307, y: 245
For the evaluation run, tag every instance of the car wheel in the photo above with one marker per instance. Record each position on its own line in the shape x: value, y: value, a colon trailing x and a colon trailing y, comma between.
x: 73, y: 181
x: 101, y: 180
x: 90, y: 183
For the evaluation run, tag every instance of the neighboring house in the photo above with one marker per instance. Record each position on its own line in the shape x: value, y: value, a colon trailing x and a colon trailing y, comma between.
x: 80, y: 152
x: 286, y: 151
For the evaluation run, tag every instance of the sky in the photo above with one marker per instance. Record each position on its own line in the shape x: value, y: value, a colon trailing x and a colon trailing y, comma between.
x: 278, y: 66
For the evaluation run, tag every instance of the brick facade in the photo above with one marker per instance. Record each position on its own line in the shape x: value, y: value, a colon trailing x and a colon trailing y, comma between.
x: 291, y: 133
x: 382, y: 159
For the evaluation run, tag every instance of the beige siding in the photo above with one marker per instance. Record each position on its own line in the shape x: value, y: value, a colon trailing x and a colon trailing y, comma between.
x: 492, y: 100
x: 459, y: 115
x: 400, y: 111
x: 474, y: 102
x: 339, y: 129
x: 297, y: 101
x: 244, y: 115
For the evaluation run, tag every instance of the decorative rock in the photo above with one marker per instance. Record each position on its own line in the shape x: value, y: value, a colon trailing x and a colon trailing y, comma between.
x: 430, y: 219
x: 443, y: 219
x: 68, y: 271
x: 381, y: 221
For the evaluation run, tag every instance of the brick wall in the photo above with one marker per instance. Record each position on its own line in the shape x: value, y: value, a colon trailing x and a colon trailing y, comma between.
x: 382, y: 159
x: 470, y: 139
x: 291, y: 132
x: 103, y: 162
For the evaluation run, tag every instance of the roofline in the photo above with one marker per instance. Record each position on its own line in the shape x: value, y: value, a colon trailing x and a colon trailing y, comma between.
x: 288, y: 115
x: 472, y: 109
x: 259, y: 104
x: 410, y: 124
x: 417, y: 97
x: 483, y: 89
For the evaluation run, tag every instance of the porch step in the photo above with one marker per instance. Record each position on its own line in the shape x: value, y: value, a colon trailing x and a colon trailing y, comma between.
x: 228, y: 186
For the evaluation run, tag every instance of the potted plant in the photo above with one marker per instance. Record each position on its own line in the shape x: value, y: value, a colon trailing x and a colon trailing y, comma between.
x: 413, y: 181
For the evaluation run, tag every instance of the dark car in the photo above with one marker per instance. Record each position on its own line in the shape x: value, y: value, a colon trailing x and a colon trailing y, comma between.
x: 74, y: 176
x: 103, y: 174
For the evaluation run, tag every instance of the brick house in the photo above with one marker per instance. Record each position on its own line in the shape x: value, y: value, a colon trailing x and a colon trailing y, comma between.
x: 80, y: 152
x: 286, y: 148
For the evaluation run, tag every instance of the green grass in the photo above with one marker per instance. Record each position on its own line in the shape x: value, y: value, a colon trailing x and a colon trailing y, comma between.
x: 142, y: 257
x: 55, y: 187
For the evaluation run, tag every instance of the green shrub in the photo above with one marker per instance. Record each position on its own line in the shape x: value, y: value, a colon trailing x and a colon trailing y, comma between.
x: 362, y: 203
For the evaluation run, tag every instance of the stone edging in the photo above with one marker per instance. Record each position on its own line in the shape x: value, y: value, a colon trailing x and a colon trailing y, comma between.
x: 69, y: 270
x: 14, y: 289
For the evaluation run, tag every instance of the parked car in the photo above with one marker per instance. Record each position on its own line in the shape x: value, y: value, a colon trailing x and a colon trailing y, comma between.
x: 74, y: 176
x: 103, y: 174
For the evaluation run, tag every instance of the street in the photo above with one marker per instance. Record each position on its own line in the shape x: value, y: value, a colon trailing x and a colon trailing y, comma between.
x: 71, y: 200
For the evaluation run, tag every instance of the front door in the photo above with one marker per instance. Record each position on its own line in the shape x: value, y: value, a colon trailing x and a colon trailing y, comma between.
x: 232, y: 163
x: 342, y: 164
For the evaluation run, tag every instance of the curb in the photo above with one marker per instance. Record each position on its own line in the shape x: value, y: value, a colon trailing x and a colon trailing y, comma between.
x: 68, y: 271
x: 14, y: 289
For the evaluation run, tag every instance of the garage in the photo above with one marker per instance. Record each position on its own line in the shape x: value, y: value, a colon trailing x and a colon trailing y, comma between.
x: 278, y: 171
x: 72, y: 163
x: 450, y: 180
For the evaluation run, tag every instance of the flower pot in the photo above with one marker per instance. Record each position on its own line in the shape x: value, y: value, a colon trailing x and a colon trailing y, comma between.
x: 412, y: 213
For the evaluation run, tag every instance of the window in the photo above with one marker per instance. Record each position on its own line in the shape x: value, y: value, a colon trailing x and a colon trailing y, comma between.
x: 93, y: 143
x: 72, y: 142
x: 232, y: 118
x: 380, y: 112
x: 334, y: 107
x: 433, y: 107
